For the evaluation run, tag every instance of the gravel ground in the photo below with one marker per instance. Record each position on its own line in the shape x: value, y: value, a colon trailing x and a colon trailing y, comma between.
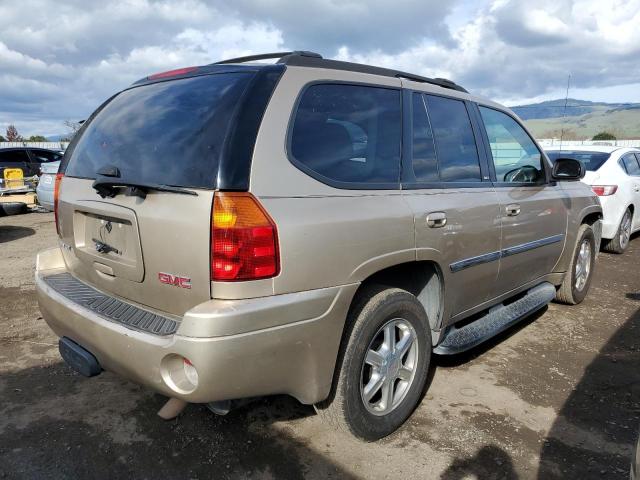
x: 554, y: 398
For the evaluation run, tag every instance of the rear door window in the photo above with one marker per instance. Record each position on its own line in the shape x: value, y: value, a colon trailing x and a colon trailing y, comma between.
x: 350, y: 134
x: 454, y: 139
x: 631, y: 165
x: 170, y: 133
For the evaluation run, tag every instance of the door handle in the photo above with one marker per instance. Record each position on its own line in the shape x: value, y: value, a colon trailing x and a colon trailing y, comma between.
x: 513, y: 210
x: 436, y: 219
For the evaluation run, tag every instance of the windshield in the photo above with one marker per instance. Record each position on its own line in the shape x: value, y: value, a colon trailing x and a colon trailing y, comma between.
x: 592, y: 160
x: 169, y: 133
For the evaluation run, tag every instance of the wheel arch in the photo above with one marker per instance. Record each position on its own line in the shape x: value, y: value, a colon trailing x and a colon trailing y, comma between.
x: 422, y: 278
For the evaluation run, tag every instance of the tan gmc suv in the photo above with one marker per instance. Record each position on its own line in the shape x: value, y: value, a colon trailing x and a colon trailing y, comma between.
x: 308, y: 227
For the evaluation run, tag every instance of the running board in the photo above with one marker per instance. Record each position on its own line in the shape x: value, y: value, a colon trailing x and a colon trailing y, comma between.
x: 497, y: 319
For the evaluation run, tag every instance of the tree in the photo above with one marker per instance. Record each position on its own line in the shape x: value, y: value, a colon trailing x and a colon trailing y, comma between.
x: 74, y: 127
x: 37, y: 138
x: 2, y: 139
x: 604, y: 136
x: 12, y: 134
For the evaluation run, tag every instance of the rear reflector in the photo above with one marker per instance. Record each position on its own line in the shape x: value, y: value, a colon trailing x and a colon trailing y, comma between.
x: 244, y: 239
x: 604, y: 190
x: 172, y: 73
x: 56, y: 195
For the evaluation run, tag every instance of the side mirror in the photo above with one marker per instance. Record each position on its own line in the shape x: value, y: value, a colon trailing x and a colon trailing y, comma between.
x: 568, y: 169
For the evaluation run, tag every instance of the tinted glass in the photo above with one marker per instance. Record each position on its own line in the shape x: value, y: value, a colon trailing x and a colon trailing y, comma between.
x: 349, y: 133
x: 455, y: 142
x: 169, y: 133
x: 45, y: 156
x: 515, y: 157
x: 592, y: 160
x: 631, y: 165
x: 425, y: 165
x: 14, y: 156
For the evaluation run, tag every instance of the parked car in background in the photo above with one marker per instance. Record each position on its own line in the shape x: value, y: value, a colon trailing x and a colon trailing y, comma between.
x: 27, y: 159
x: 312, y: 227
x: 614, y: 175
x: 44, y: 190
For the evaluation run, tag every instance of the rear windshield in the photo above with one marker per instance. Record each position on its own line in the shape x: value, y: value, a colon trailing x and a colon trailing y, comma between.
x: 169, y: 133
x: 592, y: 160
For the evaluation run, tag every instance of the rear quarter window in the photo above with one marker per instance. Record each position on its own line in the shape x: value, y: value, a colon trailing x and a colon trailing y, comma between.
x: 348, y: 135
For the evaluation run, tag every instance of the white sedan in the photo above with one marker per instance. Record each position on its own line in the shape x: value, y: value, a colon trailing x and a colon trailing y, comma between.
x: 614, y: 175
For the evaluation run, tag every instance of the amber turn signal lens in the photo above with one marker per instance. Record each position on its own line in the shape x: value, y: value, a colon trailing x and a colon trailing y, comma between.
x: 244, y: 239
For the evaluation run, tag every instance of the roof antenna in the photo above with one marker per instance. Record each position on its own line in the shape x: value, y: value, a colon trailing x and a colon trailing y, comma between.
x: 564, y: 112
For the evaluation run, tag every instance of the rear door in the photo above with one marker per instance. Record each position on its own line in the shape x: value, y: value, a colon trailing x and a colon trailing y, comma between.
x: 533, y: 210
x: 149, y: 246
x: 632, y: 166
x: 455, y: 207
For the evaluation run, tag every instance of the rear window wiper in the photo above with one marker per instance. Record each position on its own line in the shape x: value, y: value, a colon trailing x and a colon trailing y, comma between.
x: 109, y: 187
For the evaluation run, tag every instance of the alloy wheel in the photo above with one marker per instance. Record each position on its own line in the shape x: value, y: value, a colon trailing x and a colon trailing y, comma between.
x: 389, y: 367
x: 583, y: 265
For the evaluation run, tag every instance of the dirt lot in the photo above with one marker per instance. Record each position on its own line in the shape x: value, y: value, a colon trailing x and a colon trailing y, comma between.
x: 556, y: 397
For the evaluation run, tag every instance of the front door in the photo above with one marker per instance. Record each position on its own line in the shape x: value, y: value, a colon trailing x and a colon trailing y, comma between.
x: 533, y: 210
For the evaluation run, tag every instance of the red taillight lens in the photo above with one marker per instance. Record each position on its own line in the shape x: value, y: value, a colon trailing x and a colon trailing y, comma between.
x: 604, y: 190
x: 56, y: 194
x: 244, y: 239
x: 172, y: 73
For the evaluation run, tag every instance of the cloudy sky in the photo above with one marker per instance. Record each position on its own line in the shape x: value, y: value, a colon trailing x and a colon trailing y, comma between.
x: 59, y: 59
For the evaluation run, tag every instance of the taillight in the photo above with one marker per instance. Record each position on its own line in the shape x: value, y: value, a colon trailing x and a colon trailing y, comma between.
x: 56, y: 194
x: 244, y: 239
x: 604, y: 190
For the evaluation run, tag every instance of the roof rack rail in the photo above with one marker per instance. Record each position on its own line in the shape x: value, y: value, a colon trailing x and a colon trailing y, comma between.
x: 319, y: 62
x: 302, y: 58
x: 267, y: 56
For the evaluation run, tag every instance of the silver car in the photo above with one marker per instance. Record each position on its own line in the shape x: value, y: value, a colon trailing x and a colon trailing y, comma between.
x: 44, y: 190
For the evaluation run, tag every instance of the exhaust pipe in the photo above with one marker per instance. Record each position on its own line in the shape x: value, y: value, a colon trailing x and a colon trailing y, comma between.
x: 172, y: 409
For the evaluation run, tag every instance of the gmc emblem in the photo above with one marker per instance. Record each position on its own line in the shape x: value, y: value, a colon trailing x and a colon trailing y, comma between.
x: 175, y: 280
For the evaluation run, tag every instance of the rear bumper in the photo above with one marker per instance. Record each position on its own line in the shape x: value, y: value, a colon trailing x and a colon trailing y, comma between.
x: 612, y: 211
x: 291, y: 349
x: 45, y: 198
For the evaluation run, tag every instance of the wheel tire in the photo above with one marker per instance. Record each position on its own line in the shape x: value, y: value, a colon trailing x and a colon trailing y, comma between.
x: 618, y: 244
x: 12, y: 208
x: 376, y: 307
x: 568, y: 292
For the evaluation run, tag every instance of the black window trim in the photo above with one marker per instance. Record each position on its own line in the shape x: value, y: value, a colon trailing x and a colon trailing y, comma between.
x: 337, y: 183
x: 487, y: 146
x: 407, y: 184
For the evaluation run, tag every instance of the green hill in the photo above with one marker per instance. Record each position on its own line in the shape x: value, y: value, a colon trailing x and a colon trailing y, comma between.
x: 581, y: 119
